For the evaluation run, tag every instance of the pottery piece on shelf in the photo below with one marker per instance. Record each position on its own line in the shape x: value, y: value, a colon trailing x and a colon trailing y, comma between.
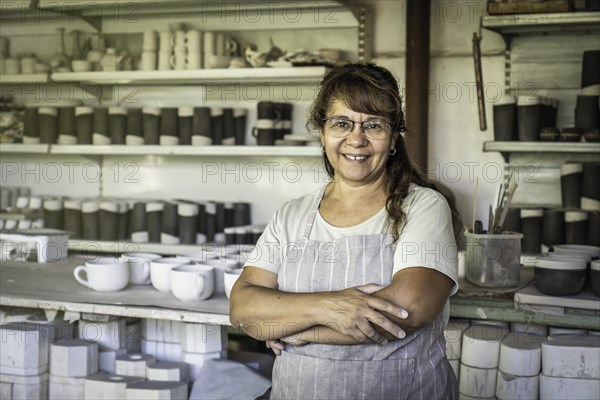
x: 60, y: 59
x: 111, y: 61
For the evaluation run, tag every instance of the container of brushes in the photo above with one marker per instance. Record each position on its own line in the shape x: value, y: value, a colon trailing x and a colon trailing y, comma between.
x: 493, y: 260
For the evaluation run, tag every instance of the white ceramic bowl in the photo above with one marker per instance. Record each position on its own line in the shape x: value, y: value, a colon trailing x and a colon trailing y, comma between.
x: 81, y: 65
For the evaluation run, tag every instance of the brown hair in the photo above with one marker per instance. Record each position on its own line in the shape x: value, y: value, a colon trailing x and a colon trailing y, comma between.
x: 371, y: 89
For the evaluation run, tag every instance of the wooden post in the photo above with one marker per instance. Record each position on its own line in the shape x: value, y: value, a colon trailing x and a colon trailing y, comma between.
x: 417, y: 80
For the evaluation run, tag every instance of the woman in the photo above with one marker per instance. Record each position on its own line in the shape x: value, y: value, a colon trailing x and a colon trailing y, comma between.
x: 349, y: 285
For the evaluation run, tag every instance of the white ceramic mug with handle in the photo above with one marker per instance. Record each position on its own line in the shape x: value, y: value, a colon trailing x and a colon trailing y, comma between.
x: 160, y: 271
x: 192, y: 282
x: 139, y: 266
x: 103, y: 274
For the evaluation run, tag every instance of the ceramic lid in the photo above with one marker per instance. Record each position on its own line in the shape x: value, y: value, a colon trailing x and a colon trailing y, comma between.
x: 558, y: 264
x: 594, y: 251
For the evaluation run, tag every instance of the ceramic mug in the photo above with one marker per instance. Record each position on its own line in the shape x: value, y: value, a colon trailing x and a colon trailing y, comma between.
x: 167, y: 41
x: 194, y: 40
x: 160, y: 272
x: 103, y: 274
x: 231, y: 276
x: 28, y: 65
x: 148, y: 60
x: 139, y: 266
x: 221, y: 266
x: 192, y: 282
x: 12, y: 66
x: 149, y: 40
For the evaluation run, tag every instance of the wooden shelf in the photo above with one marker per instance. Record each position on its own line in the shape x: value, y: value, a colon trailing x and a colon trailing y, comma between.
x: 117, y: 150
x: 542, y: 147
x: 540, y: 23
x: 200, y: 76
x: 10, y: 148
x: 23, y: 78
x: 97, y: 246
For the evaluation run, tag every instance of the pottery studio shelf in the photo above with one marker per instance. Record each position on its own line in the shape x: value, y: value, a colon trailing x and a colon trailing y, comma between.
x: 23, y: 78
x: 543, y: 22
x: 200, y: 76
x: 97, y: 246
x: 542, y: 147
x: 545, y: 153
x: 15, y: 148
x: 116, y: 150
x: 52, y: 286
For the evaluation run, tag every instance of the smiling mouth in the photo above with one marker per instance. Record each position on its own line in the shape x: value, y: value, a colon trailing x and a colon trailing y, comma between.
x: 355, y: 157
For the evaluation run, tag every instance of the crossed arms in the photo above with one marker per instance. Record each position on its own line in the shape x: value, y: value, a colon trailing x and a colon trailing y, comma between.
x: 363, y: 314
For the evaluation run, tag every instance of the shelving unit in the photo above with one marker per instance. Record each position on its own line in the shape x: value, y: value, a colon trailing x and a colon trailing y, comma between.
x: 543, y: 57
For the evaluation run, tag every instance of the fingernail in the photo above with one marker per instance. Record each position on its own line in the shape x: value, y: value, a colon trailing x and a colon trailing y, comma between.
x: 401, y: 334
x: 384, y: 342
x: 403, y: 314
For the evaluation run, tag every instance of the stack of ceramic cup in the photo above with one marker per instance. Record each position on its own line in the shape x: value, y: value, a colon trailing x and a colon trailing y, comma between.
x: 274, y: 121
x: 534, y: 115
x: 587, y: 113
x: 3, y: 52
x: 149, y: 51
x: 197, y: 126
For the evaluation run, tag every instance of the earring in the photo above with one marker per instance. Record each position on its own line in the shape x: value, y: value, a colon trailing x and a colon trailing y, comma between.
x: 393, y: 151
x: 322, y: 149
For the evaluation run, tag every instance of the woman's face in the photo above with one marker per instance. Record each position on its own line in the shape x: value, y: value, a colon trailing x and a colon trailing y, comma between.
x: 356, y: 159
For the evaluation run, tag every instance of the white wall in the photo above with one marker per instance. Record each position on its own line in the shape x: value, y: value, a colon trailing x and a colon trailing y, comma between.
x: 455, y: 155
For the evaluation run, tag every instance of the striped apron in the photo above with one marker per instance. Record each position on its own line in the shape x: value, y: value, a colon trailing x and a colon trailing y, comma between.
x: 414, y: 367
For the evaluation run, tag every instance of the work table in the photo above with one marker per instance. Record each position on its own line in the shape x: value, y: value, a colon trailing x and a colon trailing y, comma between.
x: 53, y: 287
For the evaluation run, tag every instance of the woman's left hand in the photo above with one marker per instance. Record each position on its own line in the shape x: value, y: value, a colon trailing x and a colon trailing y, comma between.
x: 275, y: 345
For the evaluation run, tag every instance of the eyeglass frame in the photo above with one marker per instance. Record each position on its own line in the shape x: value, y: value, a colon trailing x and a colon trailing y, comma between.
x: 362, y: 128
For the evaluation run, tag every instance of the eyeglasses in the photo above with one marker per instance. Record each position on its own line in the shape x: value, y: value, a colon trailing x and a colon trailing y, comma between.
x: 374, y: 129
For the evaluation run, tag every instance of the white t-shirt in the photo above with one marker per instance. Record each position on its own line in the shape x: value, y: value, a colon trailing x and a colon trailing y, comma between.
x: 426, y: 239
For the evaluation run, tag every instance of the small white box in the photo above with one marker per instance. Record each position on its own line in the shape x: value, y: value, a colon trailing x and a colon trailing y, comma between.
x: 48, y: 245
x: 23, y: 387
x: 201, y: 338
x: 108, y: 387
x: 23, y: 349
x: 168, y: 371
x: 62, y: 388
x: 73, y: 358
x: 133, y: 364
x: 106, y: 359
x: 157, y: 390
x: 109, y: 335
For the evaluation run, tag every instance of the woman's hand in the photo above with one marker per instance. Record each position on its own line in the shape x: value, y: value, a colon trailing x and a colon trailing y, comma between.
x: 275, y: 345
x: 354, y: 311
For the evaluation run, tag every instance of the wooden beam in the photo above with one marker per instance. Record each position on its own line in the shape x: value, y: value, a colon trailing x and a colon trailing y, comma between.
x: 417, y: 80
